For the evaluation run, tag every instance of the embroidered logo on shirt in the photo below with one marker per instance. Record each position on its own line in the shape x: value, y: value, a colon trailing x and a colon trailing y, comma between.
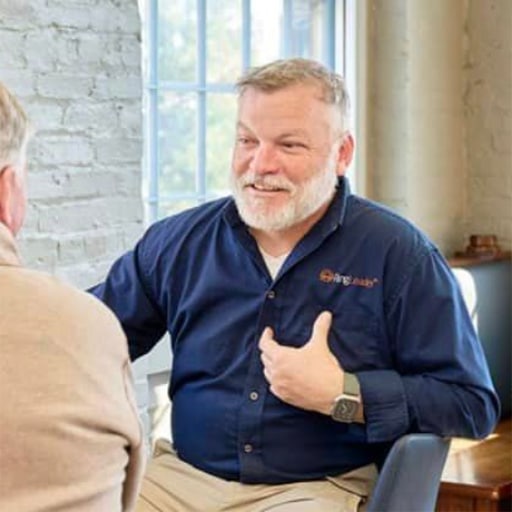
x: 328, y: 276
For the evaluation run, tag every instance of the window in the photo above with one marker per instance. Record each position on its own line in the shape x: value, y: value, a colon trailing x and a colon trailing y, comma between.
x: 194, y: 50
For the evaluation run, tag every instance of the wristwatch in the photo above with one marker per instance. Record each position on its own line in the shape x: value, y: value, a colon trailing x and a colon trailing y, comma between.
x: 346, y: 405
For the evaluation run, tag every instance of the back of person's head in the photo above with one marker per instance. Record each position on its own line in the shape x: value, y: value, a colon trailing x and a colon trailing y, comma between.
x: 14, y: 130
x: 283, y: 73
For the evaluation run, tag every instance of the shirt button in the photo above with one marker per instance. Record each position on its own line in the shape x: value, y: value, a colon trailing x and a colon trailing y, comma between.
x: 247, y: 448
x: 271, y: 294
x: 254, y: 396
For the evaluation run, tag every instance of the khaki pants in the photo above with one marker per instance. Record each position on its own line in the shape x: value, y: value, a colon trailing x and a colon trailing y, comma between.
x: 171, y: 485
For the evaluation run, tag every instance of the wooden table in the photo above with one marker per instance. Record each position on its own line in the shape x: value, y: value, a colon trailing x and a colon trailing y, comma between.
x: 478, y: 474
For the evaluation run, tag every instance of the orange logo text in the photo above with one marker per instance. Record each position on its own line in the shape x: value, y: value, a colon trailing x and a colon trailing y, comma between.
x: 328, y: 276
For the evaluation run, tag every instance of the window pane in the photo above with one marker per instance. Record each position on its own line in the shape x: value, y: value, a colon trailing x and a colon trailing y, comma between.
x: 171, y: 207
x: 177, y: 41
x: 309, y: 37
x: 266, y: 30
x: 176, y: 138
x: 305, y: 35
x: 221, y: 133
x: 318, y: 36
x: 224, y: 40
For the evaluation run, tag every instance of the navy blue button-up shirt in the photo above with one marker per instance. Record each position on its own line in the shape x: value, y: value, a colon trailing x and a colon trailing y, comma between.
x: 399, y: 323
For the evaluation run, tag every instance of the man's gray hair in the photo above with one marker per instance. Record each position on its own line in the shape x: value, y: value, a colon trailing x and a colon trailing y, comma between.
x: 285, y: 72
x: 15, y: 129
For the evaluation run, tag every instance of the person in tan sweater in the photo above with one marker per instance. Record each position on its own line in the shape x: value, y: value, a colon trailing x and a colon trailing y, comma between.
x: 70, y: 437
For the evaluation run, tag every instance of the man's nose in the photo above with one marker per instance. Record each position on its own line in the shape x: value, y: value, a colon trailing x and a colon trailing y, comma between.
x: 265, y: 159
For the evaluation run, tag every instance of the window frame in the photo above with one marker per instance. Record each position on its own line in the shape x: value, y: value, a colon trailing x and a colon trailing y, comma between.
x: 340, y: 29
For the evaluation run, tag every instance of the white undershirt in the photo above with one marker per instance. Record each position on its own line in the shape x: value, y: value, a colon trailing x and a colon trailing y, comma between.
x: 274, y: 263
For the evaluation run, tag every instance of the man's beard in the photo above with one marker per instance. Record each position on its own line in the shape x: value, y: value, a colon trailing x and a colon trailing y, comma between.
x: 303, y: 200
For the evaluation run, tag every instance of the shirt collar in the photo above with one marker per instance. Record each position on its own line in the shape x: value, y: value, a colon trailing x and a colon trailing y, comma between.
x: 335, y: 214
x: 8, y: 251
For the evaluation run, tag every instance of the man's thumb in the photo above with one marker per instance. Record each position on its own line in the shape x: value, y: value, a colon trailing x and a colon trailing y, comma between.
x: 266, y: 338
x: 321, y: 328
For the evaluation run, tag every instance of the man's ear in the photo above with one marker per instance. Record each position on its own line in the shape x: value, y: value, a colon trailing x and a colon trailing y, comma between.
x: 345, y: 153
x: 8, y: 197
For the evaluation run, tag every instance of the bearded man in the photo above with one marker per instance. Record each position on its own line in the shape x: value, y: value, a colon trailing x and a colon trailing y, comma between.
x: 310, y: 328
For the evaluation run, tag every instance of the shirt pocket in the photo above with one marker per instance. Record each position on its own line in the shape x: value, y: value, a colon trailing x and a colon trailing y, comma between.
x: 357, y: 339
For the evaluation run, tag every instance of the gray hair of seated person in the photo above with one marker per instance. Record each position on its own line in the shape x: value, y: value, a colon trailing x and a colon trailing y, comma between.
x: 286, y: 72
x: 15, y: 130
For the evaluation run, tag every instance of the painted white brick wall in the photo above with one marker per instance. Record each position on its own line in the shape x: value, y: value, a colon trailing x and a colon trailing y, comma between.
x: 76, y: 66
x: 416, y: 144
x: 489, y: 118
x: 440, y: 115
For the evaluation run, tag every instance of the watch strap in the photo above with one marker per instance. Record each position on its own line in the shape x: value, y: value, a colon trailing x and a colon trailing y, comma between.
x: 351, y: 385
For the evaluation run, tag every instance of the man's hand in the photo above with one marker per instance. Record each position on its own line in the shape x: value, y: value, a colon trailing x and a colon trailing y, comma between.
x: 309, y: 377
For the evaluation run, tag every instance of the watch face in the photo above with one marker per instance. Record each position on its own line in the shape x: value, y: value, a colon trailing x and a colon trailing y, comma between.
x: 345, y: 409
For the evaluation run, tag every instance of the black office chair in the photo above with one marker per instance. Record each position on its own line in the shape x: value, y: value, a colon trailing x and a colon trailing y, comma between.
x: 411, y: 474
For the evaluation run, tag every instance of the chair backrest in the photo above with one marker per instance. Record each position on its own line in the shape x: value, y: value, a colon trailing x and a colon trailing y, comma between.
x: 411, y: 474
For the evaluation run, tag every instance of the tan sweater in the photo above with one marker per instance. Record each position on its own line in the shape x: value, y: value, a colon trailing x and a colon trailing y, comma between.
x: 70, y: 438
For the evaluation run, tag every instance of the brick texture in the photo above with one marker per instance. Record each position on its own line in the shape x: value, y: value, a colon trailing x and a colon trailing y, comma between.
x: 440, y: 115
x: 76, y: 66
x: 488, y: 108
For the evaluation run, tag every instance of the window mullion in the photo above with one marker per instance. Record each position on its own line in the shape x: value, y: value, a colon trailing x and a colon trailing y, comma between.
x: 287, y: 38
x: 246, y: 34
x: 193, y: 87
x: 330, y: 32
x: 153, y: 115
x: 201, y: 100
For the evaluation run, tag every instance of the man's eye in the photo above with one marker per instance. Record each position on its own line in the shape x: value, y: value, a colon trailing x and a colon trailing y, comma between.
x: 292, y: 145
